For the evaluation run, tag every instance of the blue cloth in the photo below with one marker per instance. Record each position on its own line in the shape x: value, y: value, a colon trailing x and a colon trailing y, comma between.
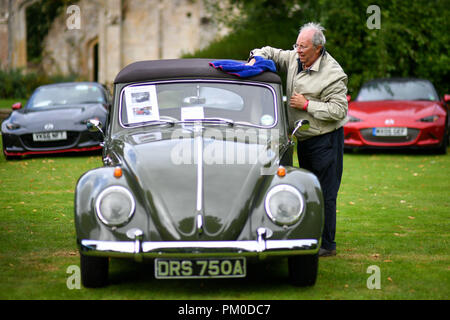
x: 240, y: 69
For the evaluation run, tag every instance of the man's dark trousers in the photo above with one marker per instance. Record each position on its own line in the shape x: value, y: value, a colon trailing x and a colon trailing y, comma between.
x: 323, y: 155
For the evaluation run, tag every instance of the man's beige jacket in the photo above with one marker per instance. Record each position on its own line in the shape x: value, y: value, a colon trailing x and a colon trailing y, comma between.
x: 324, y: 85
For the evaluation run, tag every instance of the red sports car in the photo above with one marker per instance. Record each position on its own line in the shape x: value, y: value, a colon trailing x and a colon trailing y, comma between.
x: 398, y: 113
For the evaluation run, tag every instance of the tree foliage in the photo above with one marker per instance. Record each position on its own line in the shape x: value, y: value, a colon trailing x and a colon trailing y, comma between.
x: 16, y: 83
x: 412, y: 39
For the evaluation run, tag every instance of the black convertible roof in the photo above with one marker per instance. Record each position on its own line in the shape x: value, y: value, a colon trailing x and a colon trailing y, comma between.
x: 181, y: 69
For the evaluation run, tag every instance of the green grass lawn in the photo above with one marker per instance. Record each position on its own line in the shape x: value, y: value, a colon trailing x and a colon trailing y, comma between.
x: 393, y: 213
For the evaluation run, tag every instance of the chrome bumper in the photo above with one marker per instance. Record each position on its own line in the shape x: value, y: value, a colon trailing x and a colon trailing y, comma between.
x: 139, y: 249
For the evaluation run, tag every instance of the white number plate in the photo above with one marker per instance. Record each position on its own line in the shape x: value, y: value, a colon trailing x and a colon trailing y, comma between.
x: 200, y: 268
x: 50, y: 136
x: 390, y: 132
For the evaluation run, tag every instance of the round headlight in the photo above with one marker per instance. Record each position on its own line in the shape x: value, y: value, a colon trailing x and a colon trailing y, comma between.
x: 284, y: 204
x: 115, y: 206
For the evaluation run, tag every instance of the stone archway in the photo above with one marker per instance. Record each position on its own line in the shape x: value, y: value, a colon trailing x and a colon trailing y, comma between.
x: 92, y: 61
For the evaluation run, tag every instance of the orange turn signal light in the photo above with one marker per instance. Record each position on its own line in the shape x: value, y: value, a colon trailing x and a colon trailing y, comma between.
x: 281, y: 172
x: 117, y: 172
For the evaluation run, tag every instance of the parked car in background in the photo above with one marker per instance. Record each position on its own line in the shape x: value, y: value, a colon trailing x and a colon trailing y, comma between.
x: 54, y: 120
x: 398, y: 113
x: 198, y: 176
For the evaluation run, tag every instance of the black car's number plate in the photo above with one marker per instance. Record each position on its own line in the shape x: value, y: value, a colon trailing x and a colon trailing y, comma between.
x: 50, y: 136
x: 200, y: 268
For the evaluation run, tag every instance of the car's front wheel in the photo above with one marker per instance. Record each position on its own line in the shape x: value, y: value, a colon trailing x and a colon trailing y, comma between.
x: 94, y: 271
x: 303, y: 269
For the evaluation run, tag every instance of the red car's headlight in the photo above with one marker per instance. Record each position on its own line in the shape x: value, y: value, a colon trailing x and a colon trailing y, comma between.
x: 432, y: 118
x: 353, y: 119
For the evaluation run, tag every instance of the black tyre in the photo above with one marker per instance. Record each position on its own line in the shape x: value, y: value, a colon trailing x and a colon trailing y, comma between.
x: 94, y: 271
x: 303, y: 269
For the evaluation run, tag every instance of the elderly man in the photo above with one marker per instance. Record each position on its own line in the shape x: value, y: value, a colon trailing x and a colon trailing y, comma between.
x: 316, y: 89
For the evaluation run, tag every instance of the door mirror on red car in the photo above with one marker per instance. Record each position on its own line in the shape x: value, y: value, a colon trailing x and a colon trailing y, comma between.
x: 349, y: 97
x: 17, y: 106
x: 446, y: 97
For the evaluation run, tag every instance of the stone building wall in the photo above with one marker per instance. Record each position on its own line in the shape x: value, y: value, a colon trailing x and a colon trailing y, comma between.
x: 111, y: 34
x: 124, y: 31
x: 4, y: 14
x: 67, y: 51
x: 13, y: 45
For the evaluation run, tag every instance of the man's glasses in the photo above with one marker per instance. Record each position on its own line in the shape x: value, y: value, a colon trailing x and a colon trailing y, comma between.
x: 296, y: 46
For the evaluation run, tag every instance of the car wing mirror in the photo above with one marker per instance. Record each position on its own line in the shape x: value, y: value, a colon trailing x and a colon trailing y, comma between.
x: 17, y: 106
x: 349, y: 97
x: 300, y: 125
x: 446, y: 97
x: 95, y: 125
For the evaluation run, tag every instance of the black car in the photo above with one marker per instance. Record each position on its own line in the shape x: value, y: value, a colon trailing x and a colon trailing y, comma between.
x: 54, y: 120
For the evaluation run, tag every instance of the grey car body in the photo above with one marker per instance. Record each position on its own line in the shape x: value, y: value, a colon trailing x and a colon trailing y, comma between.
x: 203, y: 176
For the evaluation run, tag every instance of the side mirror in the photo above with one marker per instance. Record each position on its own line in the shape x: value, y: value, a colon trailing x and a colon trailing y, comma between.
x: 349, y: 97
x: 94, y: 125
x: 446, y: 97
x: 301, y: 125
x: 17, y: 106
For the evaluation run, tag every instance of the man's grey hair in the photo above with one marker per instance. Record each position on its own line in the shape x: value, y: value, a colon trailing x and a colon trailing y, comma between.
x: 318, y: 37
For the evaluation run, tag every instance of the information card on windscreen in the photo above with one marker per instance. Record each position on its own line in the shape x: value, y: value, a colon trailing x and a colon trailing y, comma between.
x: 142, y: 104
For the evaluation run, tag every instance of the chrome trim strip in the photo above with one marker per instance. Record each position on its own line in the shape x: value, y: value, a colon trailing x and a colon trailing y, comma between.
x: 198, y: 131
x: 199, y: 146
x: 160, y: 249
x: 199, y: 223
x: 275, y: 102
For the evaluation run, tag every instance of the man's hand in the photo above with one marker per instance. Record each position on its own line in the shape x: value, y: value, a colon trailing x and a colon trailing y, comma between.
x: 251, y: 62
x: 297, y: 101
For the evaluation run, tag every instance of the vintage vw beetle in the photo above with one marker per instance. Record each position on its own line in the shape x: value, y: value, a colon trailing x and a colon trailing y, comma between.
x: 198, y: 176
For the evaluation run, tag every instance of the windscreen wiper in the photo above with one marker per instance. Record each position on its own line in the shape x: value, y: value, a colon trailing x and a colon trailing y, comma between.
x: 213, y: 120
x: 160, y: 122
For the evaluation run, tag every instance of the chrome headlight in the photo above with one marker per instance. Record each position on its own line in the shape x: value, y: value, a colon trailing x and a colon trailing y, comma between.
x: 115, y: 206
x: 284, y: 204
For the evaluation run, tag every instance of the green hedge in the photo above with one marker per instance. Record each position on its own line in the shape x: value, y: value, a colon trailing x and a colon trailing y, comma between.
x: 18, y: 84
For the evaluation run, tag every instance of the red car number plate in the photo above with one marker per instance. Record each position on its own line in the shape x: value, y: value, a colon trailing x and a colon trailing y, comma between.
x: 200, y: 268
x: 390, y: 132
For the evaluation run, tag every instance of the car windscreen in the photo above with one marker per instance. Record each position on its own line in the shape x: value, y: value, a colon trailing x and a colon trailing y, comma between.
x: 397, y: 90
x: 61, y: 95
x: 252, y: 104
